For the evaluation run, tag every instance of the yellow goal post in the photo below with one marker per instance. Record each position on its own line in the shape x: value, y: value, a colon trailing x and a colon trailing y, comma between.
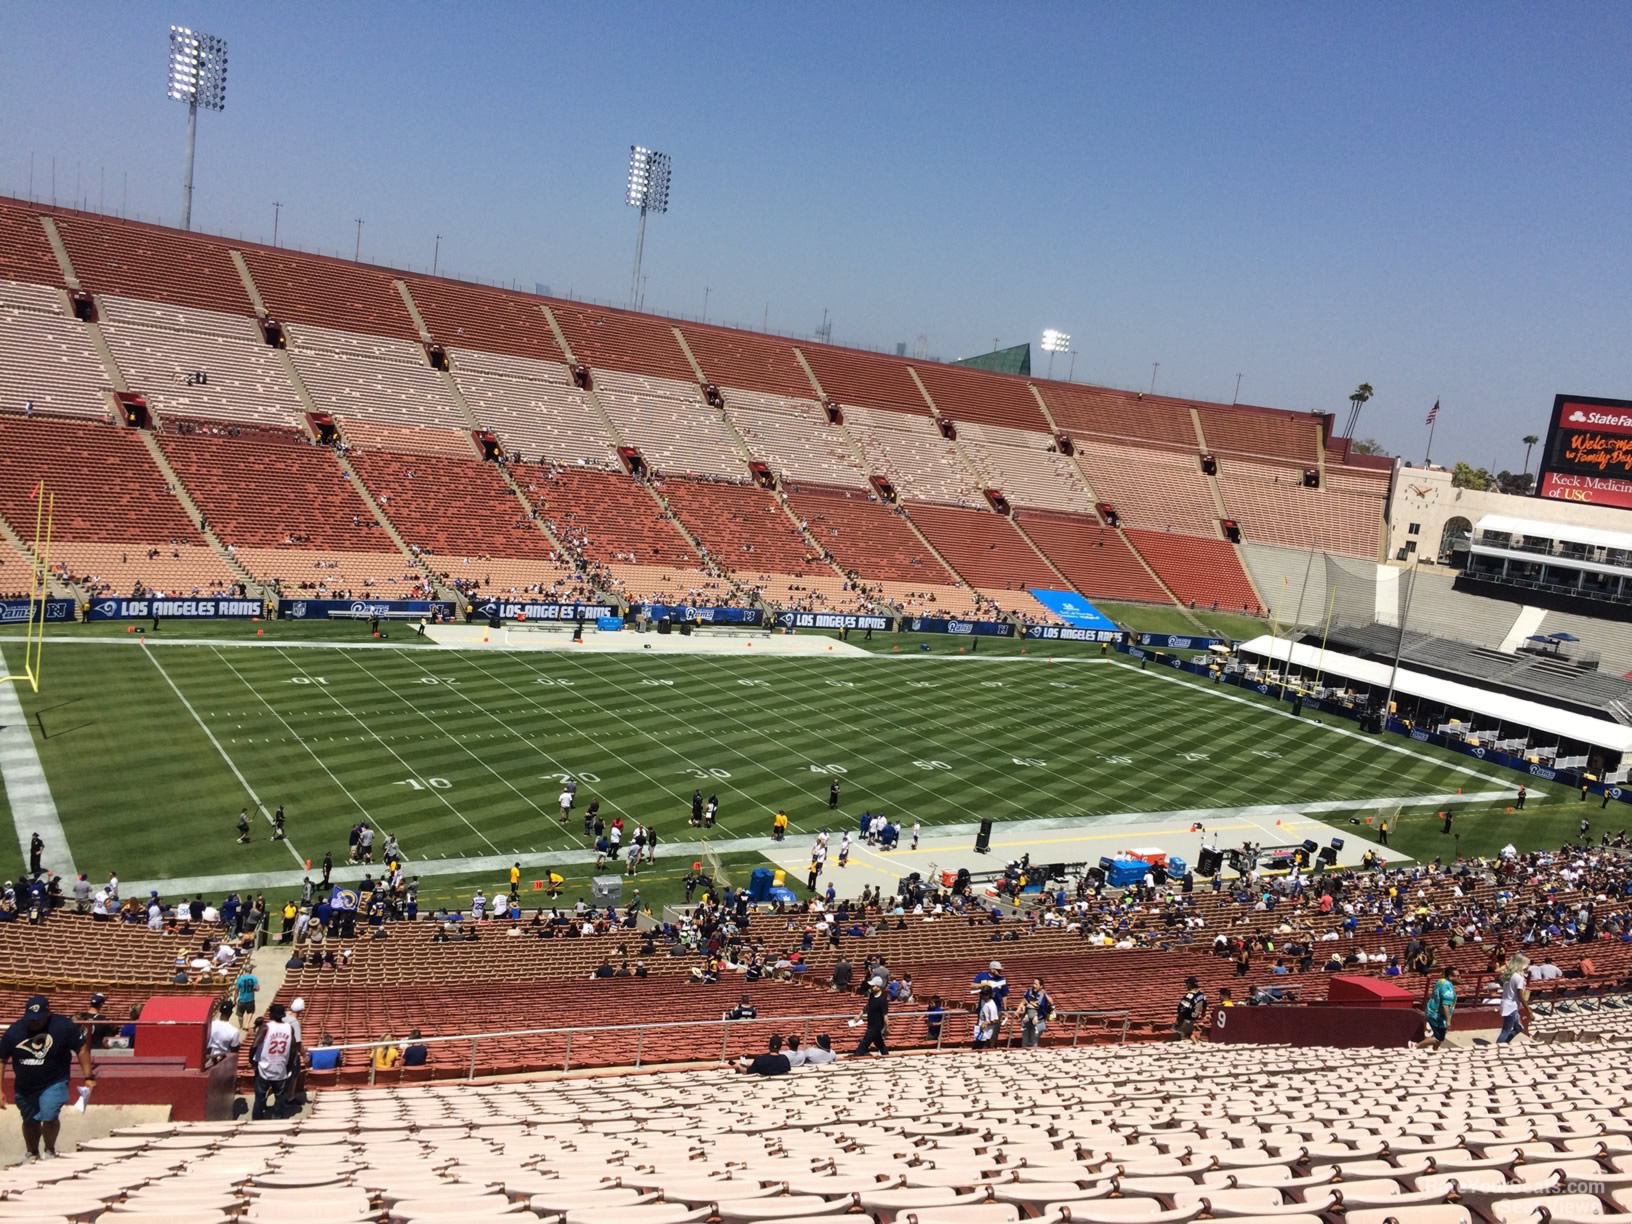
x: 39, y: 590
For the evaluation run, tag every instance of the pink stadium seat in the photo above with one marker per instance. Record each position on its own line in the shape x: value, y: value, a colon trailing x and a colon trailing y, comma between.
x: 742, y: 526
x: 328, y: 293
x: 620, y: 340
x: 749, y: 361
x: 47, y: 357
x: 288, y: 508
x: 1272, y: 506
x: 1081, y: 410
x: 968, y: 396
x: 1202, y: 573
x: 867, y: 537
x: 1096, y: 559
x: 854, y: 379
x: 985, y: 548
x: 608, y: 516
x: 107, y: 526
x: 1151, y: 486
x: 1270, y: 432
x: 163, y: 350
x: 25, y: 254
x: 480, y: 317
x: 133, y: 260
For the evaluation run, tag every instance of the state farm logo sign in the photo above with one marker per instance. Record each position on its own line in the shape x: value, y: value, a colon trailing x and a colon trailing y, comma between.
x: 1615, y: 420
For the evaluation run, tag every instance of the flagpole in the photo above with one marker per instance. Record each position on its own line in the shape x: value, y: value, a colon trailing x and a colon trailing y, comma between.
x: 1433, y: 419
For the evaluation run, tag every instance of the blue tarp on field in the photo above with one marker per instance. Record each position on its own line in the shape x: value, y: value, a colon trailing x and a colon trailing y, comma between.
x: 1073, y: 609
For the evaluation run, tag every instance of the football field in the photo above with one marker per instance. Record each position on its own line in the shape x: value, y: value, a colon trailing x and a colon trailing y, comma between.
x: 151, y: 750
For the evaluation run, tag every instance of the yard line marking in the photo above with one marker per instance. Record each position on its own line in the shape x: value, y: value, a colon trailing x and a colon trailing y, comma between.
x: 599, y: 743
x: 806, y: 730
x: 210, y: 735
x: 322, y: 764
x: 28, y: 794
x: 720, y: 715
x: 412, y: 773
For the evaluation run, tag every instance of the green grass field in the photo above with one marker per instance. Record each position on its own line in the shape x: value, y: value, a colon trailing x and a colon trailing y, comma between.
x: 150, y: 751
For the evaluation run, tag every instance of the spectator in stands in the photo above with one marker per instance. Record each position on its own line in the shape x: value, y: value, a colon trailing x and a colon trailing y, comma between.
x: 744, y: 1010
x: 1441, y: 1006
x: 772, y: 1062
x: 875, y: 1014
x: 246, y: 986
x: 100, y: 1028
x: 276, y: 1055
x: 820, y: 1054
x: 1192, y: 1007
x: 325, y: 1057
x: 224, y: 1036
x: 387, y: 1054
x: 1515, y: 997
x: 987, y: 1018
x: 127, y: 1030
x: 41, y: 1047
x: 416, y: 1053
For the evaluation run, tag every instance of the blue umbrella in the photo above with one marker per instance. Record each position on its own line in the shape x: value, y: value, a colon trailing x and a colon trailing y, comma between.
x: 1539, y: 637
x: 1563, y: 637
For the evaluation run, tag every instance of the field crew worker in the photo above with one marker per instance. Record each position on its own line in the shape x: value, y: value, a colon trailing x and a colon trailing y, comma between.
x: 41, y: 1046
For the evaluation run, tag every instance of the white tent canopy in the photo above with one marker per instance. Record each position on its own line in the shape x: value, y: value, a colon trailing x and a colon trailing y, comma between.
x: 1564, y: 533
x: 1597, y: 732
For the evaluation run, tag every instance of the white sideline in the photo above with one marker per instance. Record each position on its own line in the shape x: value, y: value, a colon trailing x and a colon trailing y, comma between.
x: 28, y: 794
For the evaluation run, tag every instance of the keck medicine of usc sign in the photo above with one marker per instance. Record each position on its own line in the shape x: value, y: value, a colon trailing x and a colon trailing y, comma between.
x: 1588, y: 457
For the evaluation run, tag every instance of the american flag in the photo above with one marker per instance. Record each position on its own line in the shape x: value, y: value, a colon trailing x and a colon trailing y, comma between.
x: 1433, y: 413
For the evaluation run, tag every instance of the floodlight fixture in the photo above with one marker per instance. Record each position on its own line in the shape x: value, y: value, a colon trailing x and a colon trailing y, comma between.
x: 648, y: 190
x: 198, y: 77
x: 1055, y: 341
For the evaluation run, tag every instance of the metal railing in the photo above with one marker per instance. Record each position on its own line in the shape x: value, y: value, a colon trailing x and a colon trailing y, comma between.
x: 1109, y: 1022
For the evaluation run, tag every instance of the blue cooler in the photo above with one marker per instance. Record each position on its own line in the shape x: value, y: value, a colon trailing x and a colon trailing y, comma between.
x: 759, y: 884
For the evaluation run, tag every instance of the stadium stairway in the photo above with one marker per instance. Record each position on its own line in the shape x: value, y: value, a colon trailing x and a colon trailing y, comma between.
x: 1611, y: 639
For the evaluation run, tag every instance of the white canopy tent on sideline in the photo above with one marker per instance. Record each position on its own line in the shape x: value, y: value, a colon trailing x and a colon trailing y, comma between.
x: 1598, y: 733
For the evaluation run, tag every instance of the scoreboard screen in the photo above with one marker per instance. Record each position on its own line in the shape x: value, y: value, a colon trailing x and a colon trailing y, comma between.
x: 1588, y: 455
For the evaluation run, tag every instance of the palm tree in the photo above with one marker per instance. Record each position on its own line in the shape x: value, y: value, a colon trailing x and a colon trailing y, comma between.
x: 1529, y: 440
x: 1357, y: 400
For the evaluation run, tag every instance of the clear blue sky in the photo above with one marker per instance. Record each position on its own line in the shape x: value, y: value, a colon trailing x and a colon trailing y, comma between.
x: 1435, y: 198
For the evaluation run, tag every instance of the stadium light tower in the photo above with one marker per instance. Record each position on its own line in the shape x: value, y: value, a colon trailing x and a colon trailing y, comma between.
x: 198, y: 77
x: 1055, y: 342
x: 649, y: 192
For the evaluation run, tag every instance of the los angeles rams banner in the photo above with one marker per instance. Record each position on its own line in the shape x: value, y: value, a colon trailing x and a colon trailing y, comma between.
x: 1065, y: 633
x: 173, y: 609
x: 831, y: 620
x: 318, y: 609
x: 484, y: 609
x: 935, y: 624
x: 704, y: 616
x: 342, y: 898
x: 16, y: 611
x: 1174, y: 641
